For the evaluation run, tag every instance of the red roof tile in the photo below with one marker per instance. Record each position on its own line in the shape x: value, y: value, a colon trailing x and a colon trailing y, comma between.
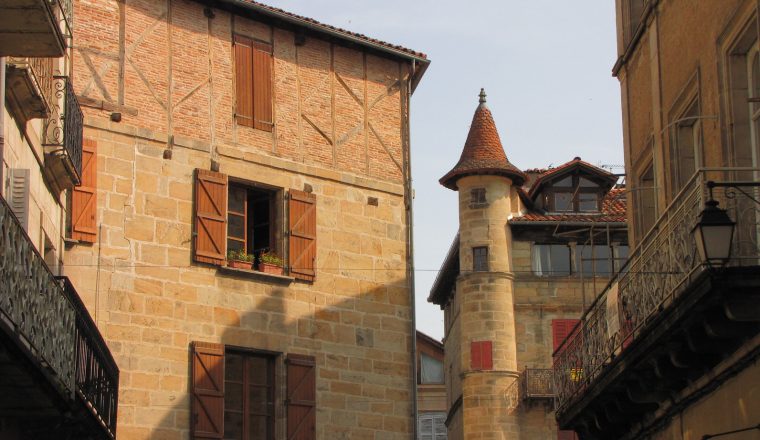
x: 326, y: 27
x: 613, y: 211
x: 483, y: 152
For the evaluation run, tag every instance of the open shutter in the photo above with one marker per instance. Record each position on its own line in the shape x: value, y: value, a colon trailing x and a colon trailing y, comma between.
x: 301, y: 397
x: 262, y: 86
x: 243, y: 80
x: 303, y: 234
x: 207, y: 404
x: 561, y: 329
x: 19, y: 195
x: 210, y: 217
x: 84, y: 196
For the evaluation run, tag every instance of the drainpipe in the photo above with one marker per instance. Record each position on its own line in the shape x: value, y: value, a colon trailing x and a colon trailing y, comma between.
x: 410, y: 248
x: 2, y: 123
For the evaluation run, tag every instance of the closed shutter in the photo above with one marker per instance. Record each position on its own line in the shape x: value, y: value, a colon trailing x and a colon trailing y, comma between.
x: 301, y: 397
x: 207, y: 399
x: 561, y: 329
x: 84, y: 196
x: 19, y: 195
x: 243, y: 80
x: 303, y: 234
x: 210, y: 217
x: 481, y: 355
x: 262, y: 86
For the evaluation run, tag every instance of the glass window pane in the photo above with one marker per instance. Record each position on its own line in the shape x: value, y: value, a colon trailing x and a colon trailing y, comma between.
x: 233, y: 425
x: 258, y: 371
x: 600, y: 256
x: 480, y: 259
x: 560, y: 260
x: 258, y: 400
x: 431, y: 369
x: 236, y: 200
x: 236, y: 226
x: 563, y: 202
x: 233, y: 367
x: 567, y: 182
x: 588, y: 202
x: 233, y: 396
x: 621, y: 256
x: 257, y: 429
x: 585, y: 183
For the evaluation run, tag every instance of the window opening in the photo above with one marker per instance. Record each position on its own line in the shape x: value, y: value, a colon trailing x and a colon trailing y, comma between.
x: 431, y: 370
x: 250, y: 224
x: 248, y: 396
x: 551, y: 259
x: 480, y: 259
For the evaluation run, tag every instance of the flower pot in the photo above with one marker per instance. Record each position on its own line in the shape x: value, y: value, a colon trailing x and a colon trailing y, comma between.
x: 237, y: 264
x: 270, y: 268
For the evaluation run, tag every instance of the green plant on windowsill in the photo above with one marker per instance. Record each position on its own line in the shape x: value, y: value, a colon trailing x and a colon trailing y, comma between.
x: 239, y: 259
x: 271, y: 258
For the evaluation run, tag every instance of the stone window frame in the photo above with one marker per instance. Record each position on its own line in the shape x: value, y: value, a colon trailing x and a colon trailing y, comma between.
x: 478, y: 198
x: 480, y: 259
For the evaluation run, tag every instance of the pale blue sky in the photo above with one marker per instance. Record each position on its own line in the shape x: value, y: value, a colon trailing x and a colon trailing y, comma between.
x: 545, y: 65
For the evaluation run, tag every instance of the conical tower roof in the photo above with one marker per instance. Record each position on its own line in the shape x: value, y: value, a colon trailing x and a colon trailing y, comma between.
x: 483, y: 153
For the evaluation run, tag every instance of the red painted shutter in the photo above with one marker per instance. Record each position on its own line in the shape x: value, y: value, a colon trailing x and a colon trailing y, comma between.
x: 301, y: 397
x: 481, y: 355
x: 262, y: 86
x: 561, y: 329
x: 243, y: 80
x: 207, y: 399
x: 210, y: 217
x: 567, y: 435
x: 84, y: 196
x: 303, y: 234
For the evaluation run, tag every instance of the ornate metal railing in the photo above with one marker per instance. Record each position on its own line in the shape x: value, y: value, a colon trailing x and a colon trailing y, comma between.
x: 658, y: 271
x: 64, y: 10
x: 65, y: 125
x: 97, y: 376
x: 44, y: 314
x: 43, y: 72
x: 537, y: 383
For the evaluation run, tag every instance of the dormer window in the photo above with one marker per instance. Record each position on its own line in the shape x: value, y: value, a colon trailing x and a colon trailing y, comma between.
x: 573, y: 194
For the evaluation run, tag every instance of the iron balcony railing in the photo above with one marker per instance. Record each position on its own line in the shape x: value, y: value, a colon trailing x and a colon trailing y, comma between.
x: 64, y: 126
x: 44, y: 314
x: 537, y: 383
x: 659, y: 270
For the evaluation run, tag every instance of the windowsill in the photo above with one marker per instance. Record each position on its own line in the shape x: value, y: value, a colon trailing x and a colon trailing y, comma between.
x: 255, y: 274
x: 68, y: 242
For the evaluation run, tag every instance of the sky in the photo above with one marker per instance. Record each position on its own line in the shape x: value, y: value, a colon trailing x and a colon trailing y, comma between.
x: 546, y: 68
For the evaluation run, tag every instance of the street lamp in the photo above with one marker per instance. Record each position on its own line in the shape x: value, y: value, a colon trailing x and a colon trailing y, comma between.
x: 714, y: 232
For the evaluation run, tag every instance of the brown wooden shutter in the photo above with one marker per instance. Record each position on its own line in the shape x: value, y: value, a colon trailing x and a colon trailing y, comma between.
x: 561, y: 329
x: 243, y: 80
x: 210, y: 217
x: 301, y: 397
x: 207, y: 398
x: 262, y: 86
x: 84, y: 196
x: 303, y: 234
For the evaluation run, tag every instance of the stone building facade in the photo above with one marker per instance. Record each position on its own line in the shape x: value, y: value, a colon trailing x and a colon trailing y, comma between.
x: 232, y: 126
x: 678, y: 350
x: 431, y: 389
x: 532, y: 248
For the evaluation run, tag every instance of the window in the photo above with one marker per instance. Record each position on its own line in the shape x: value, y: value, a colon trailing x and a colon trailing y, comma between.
x: 646, y: 199
x: 551, y: 259
x: 431, y: 369
x: 632, y: 17
x: 432, y: 426
x: 594, y: 260
x: 248, y: 396
x: 234, y: 393
x: 253, y: 83
x: 574, y: 194
x: 251, y: 222
x: 478, y: 198
x: 686, y: 147
x: 480, y: 259
x: 621, y: 256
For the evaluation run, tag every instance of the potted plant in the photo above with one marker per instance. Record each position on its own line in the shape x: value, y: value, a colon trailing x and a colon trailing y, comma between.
x: 239, y: 259
x: 269, y: 262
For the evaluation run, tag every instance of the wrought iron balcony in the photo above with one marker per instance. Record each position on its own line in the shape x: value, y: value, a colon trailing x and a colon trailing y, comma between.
x: 664, y: 319
x: 61, y: 366
x: 63, y: 135
x: 31, y: 80
x: 537, y: 384
x: 35, y: 28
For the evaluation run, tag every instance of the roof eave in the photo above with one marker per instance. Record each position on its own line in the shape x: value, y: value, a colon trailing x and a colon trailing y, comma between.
x: 435, y: 295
